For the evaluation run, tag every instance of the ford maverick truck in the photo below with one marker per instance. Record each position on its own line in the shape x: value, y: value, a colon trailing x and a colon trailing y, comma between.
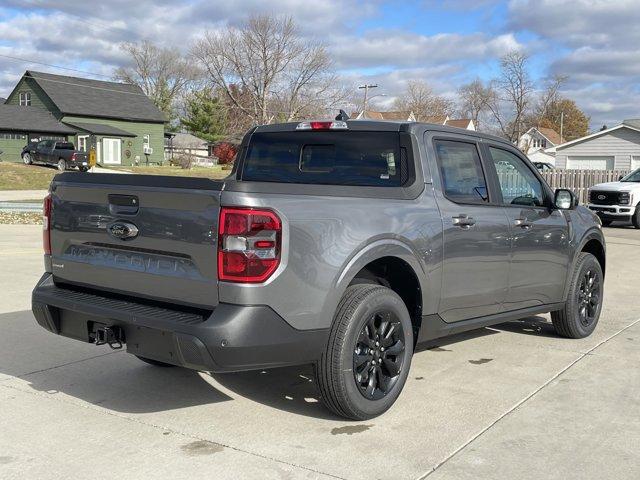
x: 343, y: 244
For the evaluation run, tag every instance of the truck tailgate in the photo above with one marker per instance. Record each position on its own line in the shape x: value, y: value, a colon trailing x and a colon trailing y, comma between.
x: 140, y: 235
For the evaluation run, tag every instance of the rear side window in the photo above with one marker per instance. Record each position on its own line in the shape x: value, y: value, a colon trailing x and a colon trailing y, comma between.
x: 462, y: 176
x: 372, y: 159
x: 64, y: 146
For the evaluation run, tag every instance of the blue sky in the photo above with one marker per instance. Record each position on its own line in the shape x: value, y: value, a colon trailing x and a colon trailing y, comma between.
x: 445, y: 43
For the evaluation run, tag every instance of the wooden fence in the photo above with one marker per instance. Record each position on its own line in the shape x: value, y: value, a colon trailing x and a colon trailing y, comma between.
x: 579, y: 181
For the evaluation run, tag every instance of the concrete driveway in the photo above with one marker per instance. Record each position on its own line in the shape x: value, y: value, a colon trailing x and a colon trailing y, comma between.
x: 514, y: 401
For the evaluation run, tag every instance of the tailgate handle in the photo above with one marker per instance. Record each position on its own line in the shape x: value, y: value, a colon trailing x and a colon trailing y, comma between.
x: 123, y: 204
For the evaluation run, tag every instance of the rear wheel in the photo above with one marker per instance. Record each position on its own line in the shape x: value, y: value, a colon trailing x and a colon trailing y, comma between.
x: 26, y: 158
x: 368, y: 355
x: 155, y: 363
x: 579, y: 317
x: 83, y: 169
x: 62, y: 165
x: 635, y: 220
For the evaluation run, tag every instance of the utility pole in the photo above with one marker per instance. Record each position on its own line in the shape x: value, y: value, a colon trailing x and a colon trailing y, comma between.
x: 366, y: 88
x: 561, y: 126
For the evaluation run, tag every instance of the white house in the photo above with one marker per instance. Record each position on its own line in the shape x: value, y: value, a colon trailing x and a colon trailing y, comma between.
x: 616, y: 148
x: 539, y: 144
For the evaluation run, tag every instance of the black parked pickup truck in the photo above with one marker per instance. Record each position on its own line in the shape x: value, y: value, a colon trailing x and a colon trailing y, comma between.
x: 53, y: 152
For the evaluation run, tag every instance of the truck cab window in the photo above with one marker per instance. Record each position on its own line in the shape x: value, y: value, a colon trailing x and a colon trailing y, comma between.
x: 518, y: 184
x: 462, y: 176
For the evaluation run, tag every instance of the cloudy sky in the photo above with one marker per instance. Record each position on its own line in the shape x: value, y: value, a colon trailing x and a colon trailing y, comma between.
x: 444, y: 42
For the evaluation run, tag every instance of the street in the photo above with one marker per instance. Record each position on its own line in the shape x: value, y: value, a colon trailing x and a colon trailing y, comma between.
x: 511, y: 401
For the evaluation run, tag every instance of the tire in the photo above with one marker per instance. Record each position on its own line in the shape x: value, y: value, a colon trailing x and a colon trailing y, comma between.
x: 83, y: 169
x: 570, y: 321
x: 155, y: 363
x: 606, y: 223
x: 62, y: 165
x: 26, y: 158
x: 635, y: 220
x: 345, y: 386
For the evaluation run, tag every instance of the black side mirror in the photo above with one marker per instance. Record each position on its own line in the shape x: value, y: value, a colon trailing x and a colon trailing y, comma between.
x: 620, y: 177
x: 564, y: 199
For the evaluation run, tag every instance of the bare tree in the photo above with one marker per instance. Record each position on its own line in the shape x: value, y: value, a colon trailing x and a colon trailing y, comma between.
x: 163, y: 74
x: 280, y: 75
x: 512, y: 101
x: 475, y: 98
x: 549, y: 96
x: 420, y: 99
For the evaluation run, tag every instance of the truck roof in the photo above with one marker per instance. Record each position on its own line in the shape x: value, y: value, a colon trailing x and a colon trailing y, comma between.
x: 387, y: 126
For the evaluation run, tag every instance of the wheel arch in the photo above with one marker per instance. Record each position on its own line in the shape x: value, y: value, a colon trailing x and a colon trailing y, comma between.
x: 395, y: 265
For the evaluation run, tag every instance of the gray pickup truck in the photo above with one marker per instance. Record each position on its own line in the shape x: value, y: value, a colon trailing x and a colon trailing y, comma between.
x: 343, y: 244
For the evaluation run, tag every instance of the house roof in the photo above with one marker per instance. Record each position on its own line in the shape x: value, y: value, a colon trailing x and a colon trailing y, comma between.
x: 632, y: 122
x: 438, y: 120
x: 459, y: 122
x: 551, y: 135
x: 99, y: 129
x: 600, y: 133
x: 97, y: 98
x: 31, y: 119
x: 186, y: 140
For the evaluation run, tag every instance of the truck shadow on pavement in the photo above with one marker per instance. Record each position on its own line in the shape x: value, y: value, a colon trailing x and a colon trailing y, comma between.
x: 117, y: 381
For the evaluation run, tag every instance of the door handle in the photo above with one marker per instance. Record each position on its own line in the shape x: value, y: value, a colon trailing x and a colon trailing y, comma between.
x: 463, y: 221
x: 523, y: 223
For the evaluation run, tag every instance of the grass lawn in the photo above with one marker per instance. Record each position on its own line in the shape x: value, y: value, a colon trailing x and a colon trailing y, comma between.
x: 16, y: 176
x: 215, y: 172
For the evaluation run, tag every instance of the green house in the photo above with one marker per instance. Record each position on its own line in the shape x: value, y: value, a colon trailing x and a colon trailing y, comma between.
x: 116, y: 119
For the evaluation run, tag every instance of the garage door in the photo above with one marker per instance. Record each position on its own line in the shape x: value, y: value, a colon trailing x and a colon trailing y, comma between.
x: 111, y: 151
x: 590, y: 163
x: 635, y: 163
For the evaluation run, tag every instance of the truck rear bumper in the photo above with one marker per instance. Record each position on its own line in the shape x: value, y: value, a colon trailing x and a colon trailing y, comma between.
x: 230, y: 338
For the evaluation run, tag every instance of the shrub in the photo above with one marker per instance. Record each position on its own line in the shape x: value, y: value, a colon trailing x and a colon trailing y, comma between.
x: 226, y: 153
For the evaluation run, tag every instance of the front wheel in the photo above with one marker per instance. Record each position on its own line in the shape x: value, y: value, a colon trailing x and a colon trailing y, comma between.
x: 635, y: 220
x: 368, y: 355
x: 579, y: 317
x: 62, y: 165
x: 26, y: 158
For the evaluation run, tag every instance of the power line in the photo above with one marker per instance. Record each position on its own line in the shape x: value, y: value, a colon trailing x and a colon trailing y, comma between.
x: 26, y: 60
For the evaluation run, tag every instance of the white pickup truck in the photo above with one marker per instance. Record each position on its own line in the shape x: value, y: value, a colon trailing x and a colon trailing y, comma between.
x: 617, y: 201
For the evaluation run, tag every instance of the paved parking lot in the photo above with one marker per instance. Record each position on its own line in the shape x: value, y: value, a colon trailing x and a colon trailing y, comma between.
x: 513, y: 401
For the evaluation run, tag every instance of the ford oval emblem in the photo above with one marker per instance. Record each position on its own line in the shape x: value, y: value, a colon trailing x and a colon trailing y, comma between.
x: 602, y: 197
x: 122, y: 230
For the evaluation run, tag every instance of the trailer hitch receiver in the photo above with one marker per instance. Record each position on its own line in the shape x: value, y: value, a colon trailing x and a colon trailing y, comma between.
x: 112, y: 336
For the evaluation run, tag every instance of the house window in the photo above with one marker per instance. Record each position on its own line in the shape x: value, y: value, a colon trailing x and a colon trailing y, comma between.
x: 25, y: 99
x: 82, y: 142
x: 12, y: 136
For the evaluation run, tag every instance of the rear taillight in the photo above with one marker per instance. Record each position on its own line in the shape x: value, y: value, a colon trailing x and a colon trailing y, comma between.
x: 329, y: 125
x: 249, y: 243
x: 46, y: 224
x: 73, y: 157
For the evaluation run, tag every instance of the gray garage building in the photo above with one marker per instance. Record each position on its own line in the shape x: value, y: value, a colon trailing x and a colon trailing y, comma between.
x: 616, y: 148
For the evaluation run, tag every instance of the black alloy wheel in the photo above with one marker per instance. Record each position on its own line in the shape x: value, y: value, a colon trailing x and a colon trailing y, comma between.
x: 588, y: 297
x: 378, y: 355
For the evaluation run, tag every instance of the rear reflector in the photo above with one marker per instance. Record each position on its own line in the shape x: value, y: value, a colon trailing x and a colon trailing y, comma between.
x: 46, y: 224
x: 249, y: 243
x: 329, y: 125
